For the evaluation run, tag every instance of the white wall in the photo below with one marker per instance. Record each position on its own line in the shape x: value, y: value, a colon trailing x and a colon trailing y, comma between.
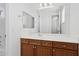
x: 74, y: 19
x: 14, y: 25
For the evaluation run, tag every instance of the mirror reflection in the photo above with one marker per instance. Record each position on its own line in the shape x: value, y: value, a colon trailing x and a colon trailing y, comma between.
x: 51, y: 18
x: 28, y: 20
x: 55, y: 24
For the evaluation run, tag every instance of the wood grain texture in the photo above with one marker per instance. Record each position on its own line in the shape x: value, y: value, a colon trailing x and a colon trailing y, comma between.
x: 71, y: 46
x: 47, y: 43
x: 26, y: 50
x: 63, y: 52
x: 35, y: 47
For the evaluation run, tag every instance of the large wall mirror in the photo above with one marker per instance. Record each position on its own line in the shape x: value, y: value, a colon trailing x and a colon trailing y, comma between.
x: 52, y: 19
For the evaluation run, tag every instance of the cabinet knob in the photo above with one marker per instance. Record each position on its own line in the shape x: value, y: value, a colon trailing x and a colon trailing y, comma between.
x: 64, y: 45
x: 53, y: 50
x: 33, y: 46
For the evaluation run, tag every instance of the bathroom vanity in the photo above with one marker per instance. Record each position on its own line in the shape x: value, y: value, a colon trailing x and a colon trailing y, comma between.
x: 48, y: 47
x: 49, y: 20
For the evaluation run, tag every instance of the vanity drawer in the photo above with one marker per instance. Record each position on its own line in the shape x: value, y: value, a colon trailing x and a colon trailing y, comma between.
x: 47, y: 43
x: 63, y: 52
x: 24, y: 40
x: 35, y: 42
x: 64, y: 45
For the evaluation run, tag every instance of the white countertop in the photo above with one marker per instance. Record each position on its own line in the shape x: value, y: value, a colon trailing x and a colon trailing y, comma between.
x: 52, y: 37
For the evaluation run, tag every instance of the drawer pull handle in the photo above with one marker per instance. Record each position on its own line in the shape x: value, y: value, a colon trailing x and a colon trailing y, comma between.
x: 64, y: 45
x: 33, y: 46
x: 53, y: 50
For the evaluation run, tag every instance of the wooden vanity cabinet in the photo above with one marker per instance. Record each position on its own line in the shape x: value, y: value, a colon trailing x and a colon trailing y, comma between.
x: 64, y: 49
x: 33, y: 47
x: 37, y: 49
x: 43, y: 51
x: 26, y: 49
x: 46, y: 48
x: 65, y: 45
x: 63, y: 52
x: 41, y: 48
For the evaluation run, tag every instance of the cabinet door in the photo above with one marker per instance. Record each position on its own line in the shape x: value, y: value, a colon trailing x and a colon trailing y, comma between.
x: 38, y: 51
x: 43, y: 51
x: 62, y: 52
x: 26, y: 50
x: 46, y: 51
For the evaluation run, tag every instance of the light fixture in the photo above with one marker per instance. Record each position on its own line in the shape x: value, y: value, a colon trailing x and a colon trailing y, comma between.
x: 42, y: 5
